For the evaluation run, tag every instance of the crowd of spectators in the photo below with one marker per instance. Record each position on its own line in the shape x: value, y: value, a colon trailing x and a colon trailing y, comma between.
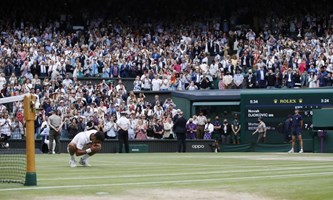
x: 195, y: 52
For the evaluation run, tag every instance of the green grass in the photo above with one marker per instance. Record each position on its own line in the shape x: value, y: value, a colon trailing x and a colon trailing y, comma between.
x: 268, y: 175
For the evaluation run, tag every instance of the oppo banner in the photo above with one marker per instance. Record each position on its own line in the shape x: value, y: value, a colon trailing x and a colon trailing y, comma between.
x: 199, y: 146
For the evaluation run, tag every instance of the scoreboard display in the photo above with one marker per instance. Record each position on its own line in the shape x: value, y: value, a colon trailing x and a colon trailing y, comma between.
x: 275, y: 106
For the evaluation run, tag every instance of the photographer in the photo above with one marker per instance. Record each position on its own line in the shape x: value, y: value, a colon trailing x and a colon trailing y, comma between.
x: 205, y: 83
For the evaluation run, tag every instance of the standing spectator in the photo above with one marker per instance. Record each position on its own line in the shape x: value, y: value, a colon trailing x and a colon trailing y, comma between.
x: 16, y: 128
x: 123, y: 125
x: 278, y: 78
x: 158, y: 129
x: 250, y: 80
x: 287, y: 129
x: 192, y: 86
x: 228, y: 80
x: 146, y: 83
x: 110, y: 128
x: 137, y: 84
x: 179, y: 128
x: 226, y: 132
x: 217, y: 129
x: 297, y: 79
x: 296, y: 130
x: 131, y: 130
x: 262, y: 130
x: 235, y: 127
x: 261, y: 77
x: 191, y: 129
x: 156, y: 83
x: 38, y: 124
x: 165, y: 84
x: 289, y: 78
x: 202, y: 120
x: 322, y: 77
x: 141, y: 129
x: 45, y: 131
x: 209, y: 129
x: 5, y: 131
x: 238, y: 79
x: 55, y: 124
x: 270, y: 77
x: 167, y: 125
x: 221, y: 82
x: 313, y: 80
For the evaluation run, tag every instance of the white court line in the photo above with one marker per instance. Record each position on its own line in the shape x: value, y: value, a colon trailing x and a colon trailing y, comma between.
x: 186, y: 174
x: 167, y: 182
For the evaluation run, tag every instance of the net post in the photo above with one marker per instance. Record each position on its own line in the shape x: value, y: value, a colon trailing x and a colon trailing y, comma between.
x: 29, y: 116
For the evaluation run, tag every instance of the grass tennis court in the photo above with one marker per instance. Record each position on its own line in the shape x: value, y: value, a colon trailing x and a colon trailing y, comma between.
x: 181, y: 176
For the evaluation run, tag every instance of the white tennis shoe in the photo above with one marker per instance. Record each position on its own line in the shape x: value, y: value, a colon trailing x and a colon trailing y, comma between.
x: 72, y: 163
x: 84, y: 162
x: 291, y: 151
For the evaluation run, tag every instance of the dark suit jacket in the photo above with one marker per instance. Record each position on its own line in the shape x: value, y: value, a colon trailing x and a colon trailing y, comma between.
x: 180, y: 125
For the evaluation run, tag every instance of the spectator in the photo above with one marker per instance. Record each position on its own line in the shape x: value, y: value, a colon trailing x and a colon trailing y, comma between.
x: 110, y: 128
x: 289, y: 78
x: 250, y: 80
x: 235, y: 127
x: 217, y: 129
x: 158, y: 129
x: 179, y: 128
x: 238, y: 80
x: 208, y: 130
x: 201, y: 122
x: 261, y: 77
x: 141, y: 130
x: 226, y: 132
x: 191, y: 130
x: 55, y: 123
x: 167, y: 125
x: 123, y: 125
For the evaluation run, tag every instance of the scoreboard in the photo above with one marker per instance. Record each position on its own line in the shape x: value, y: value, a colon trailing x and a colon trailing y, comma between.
x: 274, y: 106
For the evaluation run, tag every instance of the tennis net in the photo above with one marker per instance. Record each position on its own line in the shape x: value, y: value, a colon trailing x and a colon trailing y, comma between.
x: 12, y: 165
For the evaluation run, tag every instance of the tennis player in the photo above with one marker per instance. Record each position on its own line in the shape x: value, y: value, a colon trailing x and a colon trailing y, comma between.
x: 85, y: 144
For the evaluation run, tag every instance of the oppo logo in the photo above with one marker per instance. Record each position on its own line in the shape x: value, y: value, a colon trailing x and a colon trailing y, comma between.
x: 197, y: 146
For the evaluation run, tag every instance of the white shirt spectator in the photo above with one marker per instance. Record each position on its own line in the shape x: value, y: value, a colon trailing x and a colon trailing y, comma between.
x: 2, y: 81
x: 156, y: 84
x: 123, y: 123
x: 4, y: 126
x: 67, y: 82
x: 147, y: 84
x: 110, y: 129
x: 209, y: 127
x: 238, y: 79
